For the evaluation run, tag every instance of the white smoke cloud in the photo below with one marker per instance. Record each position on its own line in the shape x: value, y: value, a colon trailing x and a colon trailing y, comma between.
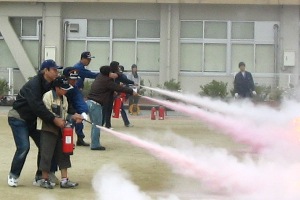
x: 272, y: 173
x: 112, y: 183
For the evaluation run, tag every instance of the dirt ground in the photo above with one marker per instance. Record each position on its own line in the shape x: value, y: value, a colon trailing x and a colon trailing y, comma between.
x: 151, y: 175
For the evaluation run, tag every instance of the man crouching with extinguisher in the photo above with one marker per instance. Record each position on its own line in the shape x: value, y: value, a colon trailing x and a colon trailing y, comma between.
x: 51, y: 136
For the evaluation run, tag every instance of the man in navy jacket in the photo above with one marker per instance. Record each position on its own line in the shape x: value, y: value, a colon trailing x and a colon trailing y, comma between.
x: 243, y: 83
x: 83, y: 73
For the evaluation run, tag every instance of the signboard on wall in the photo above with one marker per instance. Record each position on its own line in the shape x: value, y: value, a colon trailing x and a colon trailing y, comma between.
x: 50, y: 52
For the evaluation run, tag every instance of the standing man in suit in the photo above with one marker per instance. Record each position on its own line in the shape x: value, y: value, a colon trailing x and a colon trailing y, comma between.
x: 243, y: 83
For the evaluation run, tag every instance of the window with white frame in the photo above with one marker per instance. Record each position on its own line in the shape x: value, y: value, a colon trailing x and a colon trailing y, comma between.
x: 127, y: 41
x: 98, y: 28
x: 242, y: 53
x: 124, y: 53
x: 25, y: 27
x: 27, y: 31
x: 124, y: 28
x: 99, y: 49
x: 191, y: 56
x: 242, y: 30
x: 203, y: 46
x: 74, y: 48
x: 253, y: 43
x: 214, y: 57
x: 215, y: 44
x: 148, y: 29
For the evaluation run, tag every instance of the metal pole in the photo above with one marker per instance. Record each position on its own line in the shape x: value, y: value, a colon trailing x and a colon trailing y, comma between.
x: 66, y: 24
x: 40, y: 23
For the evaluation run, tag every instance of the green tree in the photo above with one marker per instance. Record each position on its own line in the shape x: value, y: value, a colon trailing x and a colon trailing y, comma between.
x: 172, y: 85
x: 214, y: 89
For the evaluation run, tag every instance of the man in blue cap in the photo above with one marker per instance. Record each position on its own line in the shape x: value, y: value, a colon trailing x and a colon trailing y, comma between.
x: 22, y: 118
x: 83, y: 73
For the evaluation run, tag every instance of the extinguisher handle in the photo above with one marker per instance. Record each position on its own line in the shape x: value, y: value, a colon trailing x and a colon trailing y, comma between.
x: 88, y: 121
x: 68, y: 124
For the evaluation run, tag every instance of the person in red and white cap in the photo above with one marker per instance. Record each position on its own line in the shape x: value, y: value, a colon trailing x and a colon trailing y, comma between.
x: 76, y: 100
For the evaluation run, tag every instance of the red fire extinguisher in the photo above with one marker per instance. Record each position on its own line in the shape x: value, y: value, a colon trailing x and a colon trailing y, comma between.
x: 67, y: 140
x: 117, y: 106
x: 153, y: 113
x: 123, y: 97
x: 161, y: 113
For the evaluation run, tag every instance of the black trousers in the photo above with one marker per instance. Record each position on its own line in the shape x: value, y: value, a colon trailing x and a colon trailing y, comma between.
x: 106, y: 113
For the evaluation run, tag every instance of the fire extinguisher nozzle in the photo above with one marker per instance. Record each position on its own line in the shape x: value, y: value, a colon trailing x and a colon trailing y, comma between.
x: 88, y: 121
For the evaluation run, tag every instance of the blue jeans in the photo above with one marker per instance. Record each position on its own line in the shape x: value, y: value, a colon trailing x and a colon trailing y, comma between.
x: 95, y: 113
x: 21, y: 132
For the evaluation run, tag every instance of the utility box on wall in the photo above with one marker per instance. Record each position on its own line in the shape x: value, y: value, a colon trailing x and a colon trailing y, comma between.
x: 289, y: 59
x: 50, y: 52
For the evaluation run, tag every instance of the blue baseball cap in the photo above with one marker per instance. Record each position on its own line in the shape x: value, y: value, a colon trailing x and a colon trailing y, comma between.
x: 50, y: 64
x: 86, y: 55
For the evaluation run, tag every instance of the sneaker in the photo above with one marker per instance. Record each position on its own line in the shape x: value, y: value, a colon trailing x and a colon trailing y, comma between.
x: 68, y: 184
x: 129, y: 125
x: 46, y: 184
x: 38, y: 181
x: 53, y: 178
x: 11, y: 181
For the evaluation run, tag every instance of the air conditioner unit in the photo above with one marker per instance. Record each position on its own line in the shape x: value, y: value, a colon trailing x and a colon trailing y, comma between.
x: 74, y: 28
x: 77, y: 28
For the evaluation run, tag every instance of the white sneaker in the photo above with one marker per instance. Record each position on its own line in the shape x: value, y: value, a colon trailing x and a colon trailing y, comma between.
x: 38, y: 182
x: 11, y: 181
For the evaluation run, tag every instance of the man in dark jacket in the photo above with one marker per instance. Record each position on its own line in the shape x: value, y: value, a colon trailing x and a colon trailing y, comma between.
x: 243, y: 83
x: 107, y: 108
x: 22, y: 117
x: 102, y: 91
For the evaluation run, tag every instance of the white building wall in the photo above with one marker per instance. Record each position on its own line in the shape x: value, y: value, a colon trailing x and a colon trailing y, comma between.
x: 111, y: 11
x: 53, y: 30
x: 289, y: 37
x: 230, y: 12
x: 54, y: 13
